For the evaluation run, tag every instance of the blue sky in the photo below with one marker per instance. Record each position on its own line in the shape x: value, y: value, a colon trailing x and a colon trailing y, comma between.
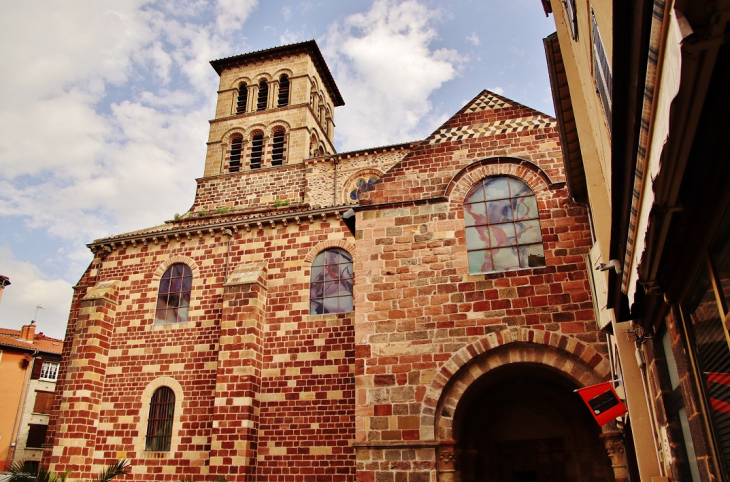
x: 104, y: 106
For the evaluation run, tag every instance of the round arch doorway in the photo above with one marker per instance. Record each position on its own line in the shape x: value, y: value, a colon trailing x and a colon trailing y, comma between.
x: 523, y: 423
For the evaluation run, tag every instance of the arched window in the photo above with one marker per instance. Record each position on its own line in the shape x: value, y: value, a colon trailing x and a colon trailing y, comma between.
x: 502, y: 226
x: 277, y: 148
x: 159, y: 422
x: 330, y: 289
x: 173, y: 297
x: 257, y: 150
x: 235, y: 163
x: 283, y: 91
x: 263, y: 95
x: 242, y: 99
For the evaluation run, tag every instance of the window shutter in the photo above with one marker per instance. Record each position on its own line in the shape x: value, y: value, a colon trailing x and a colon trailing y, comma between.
x: 36, y: 436
x: 277, y: 151
x: 37, y: 366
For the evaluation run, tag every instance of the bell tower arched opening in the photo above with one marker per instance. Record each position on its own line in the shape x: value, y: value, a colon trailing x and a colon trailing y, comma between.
x: 523, y: 423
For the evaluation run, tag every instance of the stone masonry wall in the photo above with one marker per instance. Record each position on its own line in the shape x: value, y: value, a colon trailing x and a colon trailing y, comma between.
x: 417, y: 304
x: 321, y: 189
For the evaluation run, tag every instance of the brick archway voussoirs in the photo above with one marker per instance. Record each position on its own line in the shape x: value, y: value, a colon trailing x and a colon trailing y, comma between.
x: 576, y: 360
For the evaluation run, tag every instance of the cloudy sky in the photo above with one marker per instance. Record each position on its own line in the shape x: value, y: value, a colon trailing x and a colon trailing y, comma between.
x: 104, y: 105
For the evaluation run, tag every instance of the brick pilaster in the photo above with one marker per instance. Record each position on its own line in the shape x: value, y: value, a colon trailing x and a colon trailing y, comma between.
x: 83, y: 385
x: 235, y: 417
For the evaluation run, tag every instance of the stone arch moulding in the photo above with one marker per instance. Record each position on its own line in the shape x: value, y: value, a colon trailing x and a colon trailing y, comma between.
x: 144, y: 413
x: 577, y: 361
x: 262, y: 76
x: 279, y: 124
x: 277, y: 75
x: 226, y: 137
x: 333, y: 243
x: 241, y: 80
x: 348, y: 185
x: 172, y: 260
x: 522, y: 169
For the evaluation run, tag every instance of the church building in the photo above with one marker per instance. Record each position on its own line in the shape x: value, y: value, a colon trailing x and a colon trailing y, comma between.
x: 418, y: 312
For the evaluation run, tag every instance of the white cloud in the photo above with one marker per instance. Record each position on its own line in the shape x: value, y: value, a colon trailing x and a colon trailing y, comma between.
x: 473, y: 38
x: 29, y: 288
x: 231, y: 14
x: 286, y: 12
x: 386, y: 71
x: 77, y: 164
x: 290, y: 37
x: 497, y: 90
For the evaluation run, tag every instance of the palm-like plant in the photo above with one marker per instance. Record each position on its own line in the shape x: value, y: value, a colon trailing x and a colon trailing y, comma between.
x: 19, y: 472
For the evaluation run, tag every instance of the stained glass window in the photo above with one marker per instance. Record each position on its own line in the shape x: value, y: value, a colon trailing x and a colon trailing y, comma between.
x: 173, y: 297
x: 502, y: 226
x: 330, y: 289
x: 360, y: 186
x: 159, y: 422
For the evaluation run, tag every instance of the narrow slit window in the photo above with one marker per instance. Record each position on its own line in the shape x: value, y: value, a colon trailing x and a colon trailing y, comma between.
x: 242, y: 99
x: 283, y: 91
x: 263, y: 95
x: 277, y: 152
x: 257, y: 150
x: 159, y: 422
x: 235, y: 163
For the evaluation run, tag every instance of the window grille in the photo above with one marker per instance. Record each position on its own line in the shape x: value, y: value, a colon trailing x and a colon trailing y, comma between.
x: 36, y: 435
x: 173, y: 297
x: 242, y: 99
x: 331, y: 283
x: 234, y: 164
x: 283, y: 91
x: 502, y: 226
x: 159, y: 422
x: 49, y: 371
x: 43, y: 402
x: 602, y: 71
x: 263, y: 95
x: 257, y: 150
x: 277, y: 152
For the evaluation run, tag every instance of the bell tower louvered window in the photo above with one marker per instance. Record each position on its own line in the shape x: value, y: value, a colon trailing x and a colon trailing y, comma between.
x: 235, y: 163
x: 257, y: 150
x: 242, y: 99
x: 283, y: 91
x: 263, y: 95
x: 160, y: 420
x: 277, y: 152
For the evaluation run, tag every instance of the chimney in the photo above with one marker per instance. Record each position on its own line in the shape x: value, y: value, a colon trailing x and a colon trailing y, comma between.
x: 4, y: 281
x: 27, y: 333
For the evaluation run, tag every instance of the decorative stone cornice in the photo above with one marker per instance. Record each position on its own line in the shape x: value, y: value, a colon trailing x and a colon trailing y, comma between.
x: 215, y: 226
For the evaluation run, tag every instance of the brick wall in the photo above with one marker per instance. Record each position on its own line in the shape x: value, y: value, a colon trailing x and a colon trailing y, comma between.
x: 268, y: 392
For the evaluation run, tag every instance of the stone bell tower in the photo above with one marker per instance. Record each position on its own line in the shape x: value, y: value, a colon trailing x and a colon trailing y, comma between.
x: 275, y: 108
